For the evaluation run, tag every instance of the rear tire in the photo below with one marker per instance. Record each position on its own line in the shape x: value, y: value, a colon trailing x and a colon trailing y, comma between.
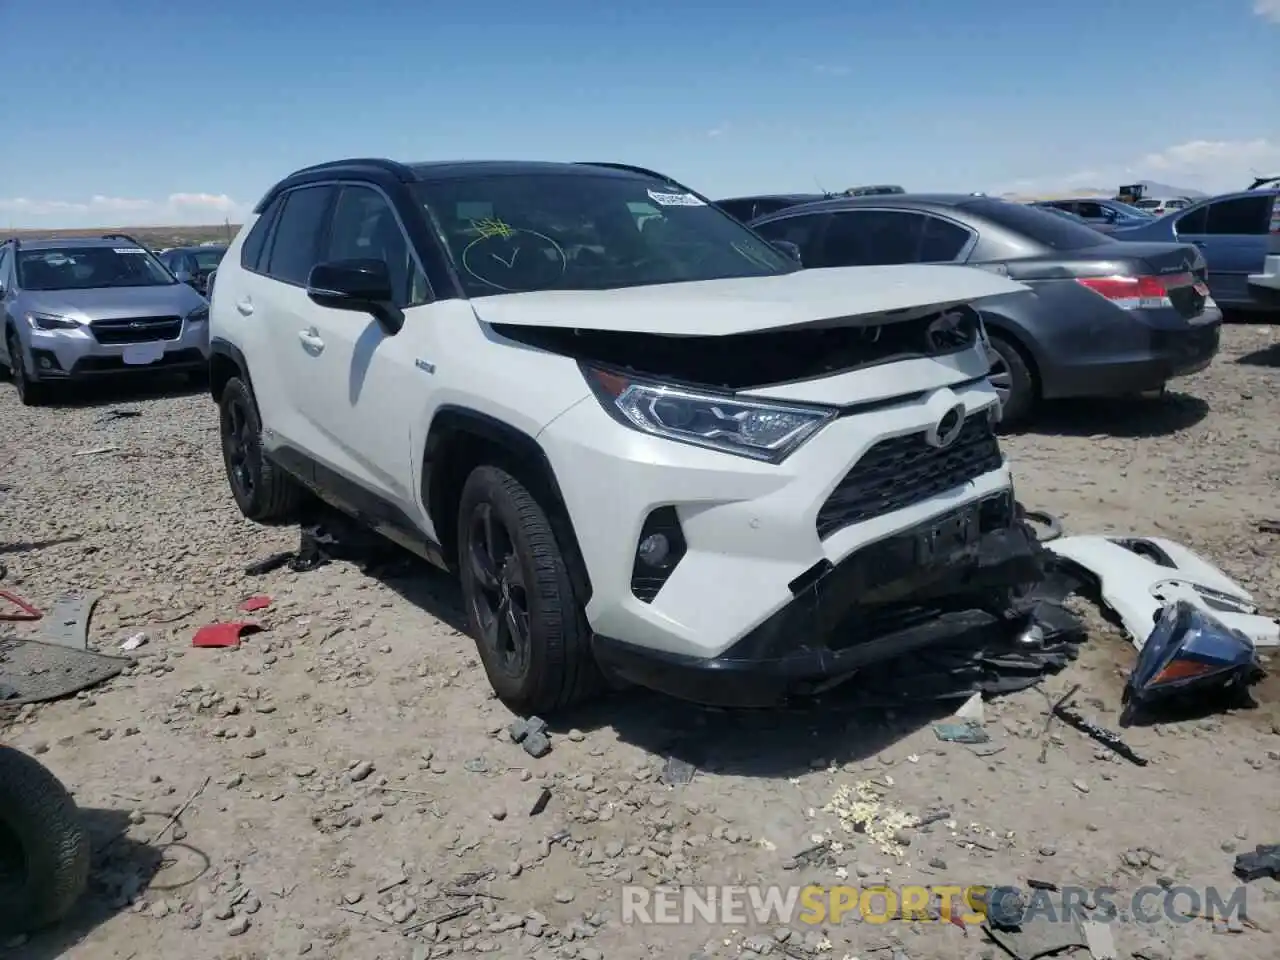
x: 536, y: 649
x: 1012, y: 377
x: 263, y: 492
x: 44, y: 850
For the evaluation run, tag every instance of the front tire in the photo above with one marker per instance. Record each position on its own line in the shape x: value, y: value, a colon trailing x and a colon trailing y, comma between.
x: 1013, y: 380
x: 530, y: 629
x: 44, y: 850
x: 32, y: 393
x: 263, y: 492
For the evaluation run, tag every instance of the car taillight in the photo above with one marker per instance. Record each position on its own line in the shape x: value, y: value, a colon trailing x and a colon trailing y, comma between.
x: 1138, y: 293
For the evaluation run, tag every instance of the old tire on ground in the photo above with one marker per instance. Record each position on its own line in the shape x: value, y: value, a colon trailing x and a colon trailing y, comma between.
x: 263, y: 492
x: 528, y: 624
x: 44, y: 850
x: 32, y: 393
x: 1013, y: 380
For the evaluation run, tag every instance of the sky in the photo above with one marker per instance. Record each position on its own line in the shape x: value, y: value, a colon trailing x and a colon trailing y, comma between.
x: 153, y: 113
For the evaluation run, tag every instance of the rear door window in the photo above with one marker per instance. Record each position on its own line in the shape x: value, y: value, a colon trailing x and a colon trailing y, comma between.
x: 943, y: 240
x: 255, y: 243
x: 295, y: 245
x: 1240, y: 216
x: 1194, y: 222
x: 864, y: 238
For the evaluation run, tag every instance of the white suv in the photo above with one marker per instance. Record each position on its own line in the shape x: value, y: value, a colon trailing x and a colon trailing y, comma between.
x: 654, y: 448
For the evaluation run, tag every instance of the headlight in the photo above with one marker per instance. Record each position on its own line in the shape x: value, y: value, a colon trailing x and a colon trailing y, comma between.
x: 198, y: 315
x: 50, y: 321
x: 757, y: 429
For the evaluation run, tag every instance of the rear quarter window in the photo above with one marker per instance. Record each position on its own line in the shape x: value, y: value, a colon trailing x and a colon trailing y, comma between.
x: 1039, y: 226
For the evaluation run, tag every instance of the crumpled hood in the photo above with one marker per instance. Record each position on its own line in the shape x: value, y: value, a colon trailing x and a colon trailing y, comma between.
x: 836, y: 296
x: 114, y: 303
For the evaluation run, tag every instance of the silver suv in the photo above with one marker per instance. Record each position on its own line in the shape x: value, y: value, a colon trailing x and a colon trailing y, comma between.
x: 80, y: 308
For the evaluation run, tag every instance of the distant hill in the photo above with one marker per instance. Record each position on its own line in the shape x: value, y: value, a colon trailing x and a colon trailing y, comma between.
x: 1154, y: 189
x: 154, y: 237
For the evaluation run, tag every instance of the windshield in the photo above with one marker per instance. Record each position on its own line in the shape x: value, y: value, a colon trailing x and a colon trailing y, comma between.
x: 85, y: 268
x: 1040, y: 226
x: 208, y: 259
x: 512, y: 234
x: 1145, y: 205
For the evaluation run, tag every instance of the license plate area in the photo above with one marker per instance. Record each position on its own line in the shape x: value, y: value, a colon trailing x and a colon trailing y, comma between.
x: 949, y: 539
x: 141, y: 354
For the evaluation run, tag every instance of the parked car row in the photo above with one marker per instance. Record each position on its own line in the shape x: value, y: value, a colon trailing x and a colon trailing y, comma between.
x: 1100, y: 318
x: 84, y: 308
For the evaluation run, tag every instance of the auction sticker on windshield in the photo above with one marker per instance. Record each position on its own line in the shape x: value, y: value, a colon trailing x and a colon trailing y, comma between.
x: 127, y: 250
x: 674, y: 199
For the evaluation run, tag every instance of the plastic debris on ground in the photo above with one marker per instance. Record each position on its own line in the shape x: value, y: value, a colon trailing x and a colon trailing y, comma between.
x: 67, y: 622
x: 1189, y: 656
x: 223, y: 634
x: 133, y: 642
x: 963, y: 731
x: 255, y: 603
x: 1137, y: 577
x: 1264, y: 861
x: 26, y: 612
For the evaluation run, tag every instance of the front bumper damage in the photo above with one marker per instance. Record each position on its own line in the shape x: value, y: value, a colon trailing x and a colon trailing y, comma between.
x: 914, y: 589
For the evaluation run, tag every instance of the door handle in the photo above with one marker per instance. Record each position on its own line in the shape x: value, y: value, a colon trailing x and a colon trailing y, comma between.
x: 311, y: 340
x: 245, y: 306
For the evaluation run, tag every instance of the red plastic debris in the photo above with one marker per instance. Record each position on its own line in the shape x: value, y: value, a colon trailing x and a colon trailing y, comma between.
x: 28, y: 611
x: 223, y: 634
x: 255, y: 603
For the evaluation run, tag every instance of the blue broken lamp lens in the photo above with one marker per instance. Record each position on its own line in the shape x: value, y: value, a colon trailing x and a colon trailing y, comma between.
x: 1189, y: 652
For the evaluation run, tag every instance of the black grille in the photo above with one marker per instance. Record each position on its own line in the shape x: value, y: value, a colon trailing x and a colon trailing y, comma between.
x: 136, y: 329
x: 897, y: 473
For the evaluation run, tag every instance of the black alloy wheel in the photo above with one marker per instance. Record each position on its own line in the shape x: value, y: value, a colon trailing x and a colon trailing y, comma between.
x: 500, y: 602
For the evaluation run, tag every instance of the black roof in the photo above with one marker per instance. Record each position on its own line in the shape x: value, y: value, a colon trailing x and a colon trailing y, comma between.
x: 67, y: 243
x: 428, y: 170
x: 197, y: 247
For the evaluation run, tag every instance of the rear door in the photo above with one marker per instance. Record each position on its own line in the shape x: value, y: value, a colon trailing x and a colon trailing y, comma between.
x: 1233, y: 233
x: 279, y: 303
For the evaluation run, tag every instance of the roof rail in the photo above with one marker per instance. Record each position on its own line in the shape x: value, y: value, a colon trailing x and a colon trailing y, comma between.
x: 399, y: 170
x: 630, y: 168
x: 125, y: 237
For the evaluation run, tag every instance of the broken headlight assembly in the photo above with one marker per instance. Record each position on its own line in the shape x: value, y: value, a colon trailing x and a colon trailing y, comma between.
x: 759, y: 429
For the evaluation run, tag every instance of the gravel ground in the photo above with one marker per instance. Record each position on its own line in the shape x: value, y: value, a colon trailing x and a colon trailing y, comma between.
x: 360, y: 775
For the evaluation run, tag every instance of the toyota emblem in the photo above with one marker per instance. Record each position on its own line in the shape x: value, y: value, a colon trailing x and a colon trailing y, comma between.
x: 943, y: 433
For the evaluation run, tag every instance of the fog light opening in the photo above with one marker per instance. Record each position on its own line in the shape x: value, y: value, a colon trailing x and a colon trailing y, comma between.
x: 654, y: 550
x: 659, y: 549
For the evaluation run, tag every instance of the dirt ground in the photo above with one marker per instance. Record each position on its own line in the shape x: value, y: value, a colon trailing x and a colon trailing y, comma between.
x: 364, y: 800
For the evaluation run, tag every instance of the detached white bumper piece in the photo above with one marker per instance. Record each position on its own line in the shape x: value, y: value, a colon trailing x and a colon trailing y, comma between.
x: 1270, y: 275
x: 1140, y: 576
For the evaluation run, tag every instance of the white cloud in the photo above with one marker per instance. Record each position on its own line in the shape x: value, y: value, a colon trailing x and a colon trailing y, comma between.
x: 718, y: 131
x: 101, y: 211
x: 1267, y: 9
x: 830, y: 70
x: 1212, y: 166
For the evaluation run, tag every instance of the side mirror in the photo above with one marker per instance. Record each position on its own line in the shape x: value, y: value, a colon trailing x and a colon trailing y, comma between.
x: 789, y: 249
x: 362, y: 286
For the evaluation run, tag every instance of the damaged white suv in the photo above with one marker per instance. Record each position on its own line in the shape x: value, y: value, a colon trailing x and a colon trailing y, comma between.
x: 653, y: 447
